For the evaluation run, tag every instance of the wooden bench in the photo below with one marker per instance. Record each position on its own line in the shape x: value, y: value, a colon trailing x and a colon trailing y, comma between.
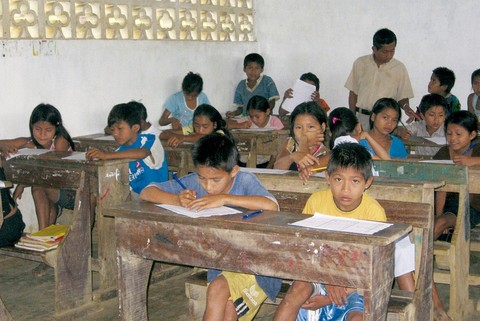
x: 415, y: 306
x: 73, y: 281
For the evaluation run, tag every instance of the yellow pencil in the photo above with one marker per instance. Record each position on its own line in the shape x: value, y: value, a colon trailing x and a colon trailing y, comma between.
x: 318, y: 169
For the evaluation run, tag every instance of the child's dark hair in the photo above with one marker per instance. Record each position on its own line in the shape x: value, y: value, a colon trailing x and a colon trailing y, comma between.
x: 192, y: 83
x: 128, y: 113
x: 475, y: 74
x: 465, y: 119
x: 253, y: 57
x: 310, y: 108
x: 342, y: 122
x: 445, y: 76
x: 385, y: 103
x: 141, y: 109
x: 50, y: 114
x: 215, y: 151
x: 432, y: 100
x: 258, y: 103
x: 383, y: 37
x: 215, y: 117
x: 352, y: 155
x: 312, y: 78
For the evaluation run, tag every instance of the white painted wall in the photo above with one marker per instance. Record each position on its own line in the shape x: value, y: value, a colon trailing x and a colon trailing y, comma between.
x: 86, y: 78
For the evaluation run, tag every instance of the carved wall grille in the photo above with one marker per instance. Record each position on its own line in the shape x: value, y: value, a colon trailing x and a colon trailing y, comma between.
x: 197, y: 20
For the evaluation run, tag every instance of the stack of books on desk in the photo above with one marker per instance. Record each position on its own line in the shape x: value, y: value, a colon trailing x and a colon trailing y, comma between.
x: 44, y: 240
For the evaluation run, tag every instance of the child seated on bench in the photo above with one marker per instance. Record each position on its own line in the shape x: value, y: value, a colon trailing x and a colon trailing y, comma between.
x: 349, y: 174
x: 218, y: 181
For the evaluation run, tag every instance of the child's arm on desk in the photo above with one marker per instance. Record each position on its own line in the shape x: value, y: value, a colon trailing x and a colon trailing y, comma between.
x: 156, y: 195
x: 248, y: 202
x: 134, y: 153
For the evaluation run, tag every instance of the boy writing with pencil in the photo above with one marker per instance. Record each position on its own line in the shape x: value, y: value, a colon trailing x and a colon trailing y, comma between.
x: 150, y: 163
x: 218, y: 182
x: 349, y: 174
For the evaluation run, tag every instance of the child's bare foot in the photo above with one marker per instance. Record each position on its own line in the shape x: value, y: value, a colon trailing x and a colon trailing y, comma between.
x: 440, y: 315
x: 40, y: 270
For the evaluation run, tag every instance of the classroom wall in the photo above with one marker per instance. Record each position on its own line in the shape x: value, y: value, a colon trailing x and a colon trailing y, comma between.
x: 84, y: 79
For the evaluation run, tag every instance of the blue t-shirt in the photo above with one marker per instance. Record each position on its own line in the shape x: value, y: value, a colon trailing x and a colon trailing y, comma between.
x: 265, y: 88
x: 178, y: 108
x: 397, y: 147
x: 245, y: 184
x: 152, y: 168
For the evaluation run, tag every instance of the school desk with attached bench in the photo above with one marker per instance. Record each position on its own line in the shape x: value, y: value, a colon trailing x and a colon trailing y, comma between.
x: 264, y: 245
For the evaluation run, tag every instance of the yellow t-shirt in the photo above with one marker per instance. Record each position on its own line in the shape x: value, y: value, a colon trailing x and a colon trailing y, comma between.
x: 322, y: 202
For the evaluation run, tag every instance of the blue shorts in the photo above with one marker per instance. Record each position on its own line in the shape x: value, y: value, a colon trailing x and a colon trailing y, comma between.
x: 66, y: 199
x: 334, y: 312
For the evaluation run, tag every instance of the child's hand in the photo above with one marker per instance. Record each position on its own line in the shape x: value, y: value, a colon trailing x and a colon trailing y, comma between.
x: 18, y: 192
x: 246, y: 124
x: 315, y: 137
x: 315, y: 97
x: 314, y: 302
x: 337, y: 294
x: 466, y: 160
x: 8, y: 150
x: 288, y: 93
x: 175, y: 141
x: 305, y: 173
x: 231, y: 114
x: 186, y: 197
x: 176, y: 124
x: 207, y: 201
x: 405, y: 134
x: 305, y: 160
x: 94, y: 153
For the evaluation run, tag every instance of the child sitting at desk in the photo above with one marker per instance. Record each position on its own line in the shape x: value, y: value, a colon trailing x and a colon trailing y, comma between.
x: 434, y: 110
x: 441, y: 83
x: 255, y: 84
x: 145, y: 126
x: 259, y: 116
x: 349, y: 174
x: 461, y: 130
x: 217, y: 182
x: 304, y: 148
x: 384, y: 119
x: 180, y: 106
x: 206, y: 120
x: 311, y: 79
x: 150, y: 164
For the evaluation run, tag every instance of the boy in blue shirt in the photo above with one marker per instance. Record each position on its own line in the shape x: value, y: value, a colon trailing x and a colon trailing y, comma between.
x: 441, y: 83
x: 150, y: 164
x: 255, y: 84
x: 218, y: 182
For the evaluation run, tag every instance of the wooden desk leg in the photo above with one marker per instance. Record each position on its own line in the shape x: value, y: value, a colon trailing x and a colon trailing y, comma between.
x: 376, y: 300
x: 133, y: 276
x: 252, y: 156
x: 114, y: 188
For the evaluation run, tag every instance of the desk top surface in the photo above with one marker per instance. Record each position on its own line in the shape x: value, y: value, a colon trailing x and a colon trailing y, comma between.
x: 268, y: 222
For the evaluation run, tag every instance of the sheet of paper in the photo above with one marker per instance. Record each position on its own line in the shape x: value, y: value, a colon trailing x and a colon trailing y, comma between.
x: 437, y: 140
x: 264, y: 170
x: 302, y: 92
x: 217, y: 211
x: 106, y: 137
x: 341, y: 224
x: 437, y: 161
x: 76, y: 156
x: 28, y: 152
x: 253, y: 130
x: 319, y: 174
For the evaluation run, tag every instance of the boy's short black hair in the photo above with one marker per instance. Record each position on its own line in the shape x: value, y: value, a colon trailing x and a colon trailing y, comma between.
x: 253, y: 57
x: 310, y: 76
x: 124, y: 112
x: 475, y: 74
x: 192, y: 83
x: 141, y: 109
x: 215, y: 150
x: 446, y: 77
x: 383, y: 37
x: 432, y: 100
x: 353, y: 155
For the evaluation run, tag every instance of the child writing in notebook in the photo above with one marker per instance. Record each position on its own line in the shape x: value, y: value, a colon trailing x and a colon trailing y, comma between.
x: 150, y: 164
x: 180, y: 106
x: 218, y: 181
x: 304, y: 148
x: 259, y: 116
x: 473, y: 102
x: 345, y: 127
x: 434, y: 110
x: 311, y: 79
x: 46, y: 132
x: 349, y: 173
x: 384, y: 119
x: 206, y: 120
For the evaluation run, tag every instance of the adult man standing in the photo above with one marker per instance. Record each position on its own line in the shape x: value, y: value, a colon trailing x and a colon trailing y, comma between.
x: 377, y: 76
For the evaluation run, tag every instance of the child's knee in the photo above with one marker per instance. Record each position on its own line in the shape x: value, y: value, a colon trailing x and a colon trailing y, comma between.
x: 355, y: 316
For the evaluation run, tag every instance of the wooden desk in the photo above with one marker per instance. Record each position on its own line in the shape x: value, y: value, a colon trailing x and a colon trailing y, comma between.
x: 413, y: 143
x: 264, y: 245
x: 109, y: 183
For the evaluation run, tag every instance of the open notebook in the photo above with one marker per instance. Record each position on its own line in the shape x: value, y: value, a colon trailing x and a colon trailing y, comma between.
x: 217, y: 211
